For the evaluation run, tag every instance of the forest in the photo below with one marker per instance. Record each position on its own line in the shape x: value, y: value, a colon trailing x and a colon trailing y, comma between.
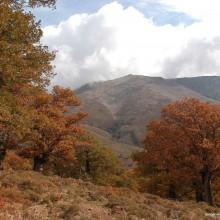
x: 181, y: 155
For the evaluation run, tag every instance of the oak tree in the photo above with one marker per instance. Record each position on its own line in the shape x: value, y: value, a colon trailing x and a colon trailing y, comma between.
x: 33, y: 121
x: 185, y: 142
x: 25, y: 65
x: 55, y: 131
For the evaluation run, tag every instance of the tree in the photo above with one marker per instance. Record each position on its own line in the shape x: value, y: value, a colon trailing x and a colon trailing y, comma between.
x: 92, y: 161
x: 32, y: 121
x: 55, y: 131
x: 24, y: 61
x: 25, y: 67
x: 97, y: 162
x: 29, y: 3
x: 185, y: 142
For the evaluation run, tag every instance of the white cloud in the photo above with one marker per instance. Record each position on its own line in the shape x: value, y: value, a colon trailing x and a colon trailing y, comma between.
x: 116, y: 41
x: 200, y: 56
x: 200, y: 9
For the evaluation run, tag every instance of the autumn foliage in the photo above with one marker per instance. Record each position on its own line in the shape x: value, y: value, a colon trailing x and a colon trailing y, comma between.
x: 54, y: 131
x: 25, y: 68
x: 40, y: 128
x: 34, y: 122
x: 184, y: 147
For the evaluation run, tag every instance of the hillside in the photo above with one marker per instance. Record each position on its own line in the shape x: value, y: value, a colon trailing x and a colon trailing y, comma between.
x: 27, y: 195
x: 122, y: 150
x: 123, y: 106
x: 208, y: 86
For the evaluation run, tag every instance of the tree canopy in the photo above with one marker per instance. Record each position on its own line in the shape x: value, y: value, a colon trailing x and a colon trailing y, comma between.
x: 25, y: 69
x: 54, y: 129
x: 33, y: 121
x: 29, y: 3
x: 185, y: 142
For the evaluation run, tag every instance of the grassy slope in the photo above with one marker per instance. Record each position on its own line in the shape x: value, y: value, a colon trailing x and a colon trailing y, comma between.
x: 122, y: 150
x: 32, y: 196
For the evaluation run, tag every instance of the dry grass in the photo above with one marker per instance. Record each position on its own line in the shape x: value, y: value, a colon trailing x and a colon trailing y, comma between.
x: 28, y: 195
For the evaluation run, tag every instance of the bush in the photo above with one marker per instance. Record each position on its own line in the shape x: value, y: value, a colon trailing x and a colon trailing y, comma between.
x: 15, y: 162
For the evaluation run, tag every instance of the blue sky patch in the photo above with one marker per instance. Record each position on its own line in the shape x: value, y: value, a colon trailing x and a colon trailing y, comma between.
x: 65, y: 8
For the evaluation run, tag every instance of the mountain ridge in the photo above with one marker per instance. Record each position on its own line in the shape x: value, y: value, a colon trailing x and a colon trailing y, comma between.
x: 124, y: 106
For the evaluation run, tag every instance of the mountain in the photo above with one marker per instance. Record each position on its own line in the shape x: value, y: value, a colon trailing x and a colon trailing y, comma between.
x: 208, y: 86
x: 123, y: 107
x: 122, y: 150
x: 30, y: 195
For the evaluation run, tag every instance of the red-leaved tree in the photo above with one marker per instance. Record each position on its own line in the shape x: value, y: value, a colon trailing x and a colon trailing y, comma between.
x: 185, y: 143
x: 55, y: 131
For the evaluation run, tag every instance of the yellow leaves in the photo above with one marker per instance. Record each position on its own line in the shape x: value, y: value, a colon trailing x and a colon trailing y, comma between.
x: 23, y: 59
x: 24, y: 64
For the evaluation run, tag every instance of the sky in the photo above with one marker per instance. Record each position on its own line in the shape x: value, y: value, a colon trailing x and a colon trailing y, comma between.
x: 103, y: 39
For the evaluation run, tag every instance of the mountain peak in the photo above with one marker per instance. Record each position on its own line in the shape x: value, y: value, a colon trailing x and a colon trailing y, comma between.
x: 125, y: 105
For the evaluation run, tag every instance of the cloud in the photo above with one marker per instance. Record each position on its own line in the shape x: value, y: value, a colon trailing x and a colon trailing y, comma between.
x: 206, y: 10
x: 117, y: 41
x: 200, y: 56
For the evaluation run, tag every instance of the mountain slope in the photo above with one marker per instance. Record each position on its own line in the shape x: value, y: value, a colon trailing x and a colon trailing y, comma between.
x: 123, y: 106
x: 122, y: 150
x: 27, y: 195
x: 208, y: 86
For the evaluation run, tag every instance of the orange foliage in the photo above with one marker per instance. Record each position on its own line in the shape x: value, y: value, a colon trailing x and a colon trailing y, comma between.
x: 31, y: 118
x: 13, y: 161
x: 25, y: 66
x: 185, y: 142
x: 55, y: 130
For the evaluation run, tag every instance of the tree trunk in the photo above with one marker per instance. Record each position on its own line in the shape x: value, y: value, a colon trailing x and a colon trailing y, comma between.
x: 39, y: 162
x: 197, y: 185
x: 199, y: 196
x: 172, y: 192
x: 2, y: 157
x: 207, y: 189
x: 88, y: 169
